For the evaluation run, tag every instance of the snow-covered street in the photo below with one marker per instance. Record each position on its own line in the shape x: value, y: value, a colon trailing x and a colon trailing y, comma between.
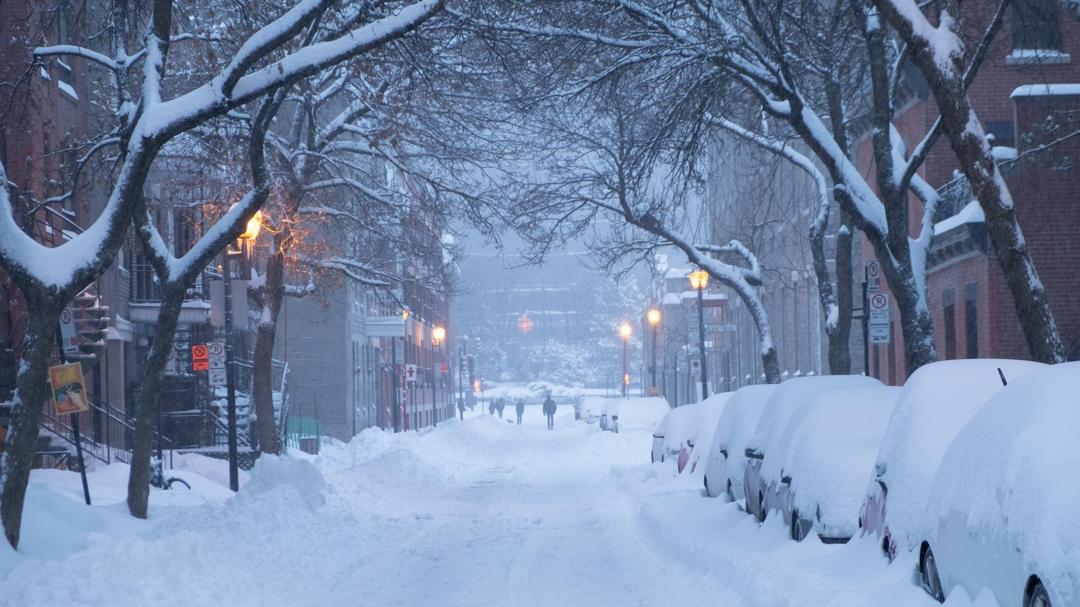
x: 473, y: 513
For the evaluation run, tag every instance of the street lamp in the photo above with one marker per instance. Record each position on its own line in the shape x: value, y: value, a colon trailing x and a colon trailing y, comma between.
x: 699, y: 279
x: 625, y: 331
x: 653, y: 316
x: 251, y: 232
x: 438, y: 334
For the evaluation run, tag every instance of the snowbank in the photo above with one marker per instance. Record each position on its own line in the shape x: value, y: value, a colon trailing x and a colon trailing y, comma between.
x: 1011, y: 473
x: 937, y: 401
x: 833, y: 441
x: 274, y: 472
x: 736, y: 424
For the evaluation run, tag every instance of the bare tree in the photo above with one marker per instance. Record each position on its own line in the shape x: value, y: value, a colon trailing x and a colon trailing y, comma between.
x: 949, y: 65
x: 145, y: 121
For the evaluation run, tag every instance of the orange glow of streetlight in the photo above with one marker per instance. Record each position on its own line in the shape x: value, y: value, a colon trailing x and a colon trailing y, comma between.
x: 699, y: 279
x: 625, y: 331
x: 438, y: 334
x: 254, y: 225
x: 653, y: 316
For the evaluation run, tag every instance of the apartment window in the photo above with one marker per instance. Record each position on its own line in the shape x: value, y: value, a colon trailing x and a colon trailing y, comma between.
x: 949, y: 301
x: 1002, y: 132
x: 1035, y: 25
x: 971, y: 320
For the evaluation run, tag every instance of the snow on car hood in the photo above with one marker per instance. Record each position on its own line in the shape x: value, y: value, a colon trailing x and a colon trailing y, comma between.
x: 938, y: 399
x: 788, y: 398
x: 640, y: 413
x: 830, y: 457
x: 1012, y: 471
x: 704, y: 435
x: 679, y: 425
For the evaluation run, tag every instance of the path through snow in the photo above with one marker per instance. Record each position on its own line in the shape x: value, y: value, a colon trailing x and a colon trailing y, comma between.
x: 473, y: 514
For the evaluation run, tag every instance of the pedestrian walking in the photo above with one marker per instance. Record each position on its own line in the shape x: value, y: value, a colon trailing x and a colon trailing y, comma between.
x: 491, y: 408
x: 549, y: 411
x: 500, y: 405
x: 461, y: 408
x: 519, y: 408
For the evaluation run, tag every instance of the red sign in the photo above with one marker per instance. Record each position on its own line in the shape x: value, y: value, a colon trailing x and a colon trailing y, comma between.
x: 200, y: 357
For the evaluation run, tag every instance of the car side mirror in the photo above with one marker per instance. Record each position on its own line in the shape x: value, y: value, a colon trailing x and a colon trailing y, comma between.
x: 724, y: 453
x: 879, y: 469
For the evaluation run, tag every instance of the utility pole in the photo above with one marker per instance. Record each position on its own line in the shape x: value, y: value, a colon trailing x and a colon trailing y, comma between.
x: 701, y: 342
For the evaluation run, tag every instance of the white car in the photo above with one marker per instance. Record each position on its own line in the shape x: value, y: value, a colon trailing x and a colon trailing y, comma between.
x: 1005, y: 500
x: 937, y: 401
x: 673, y: 434
x: 831, y: 444
x: 704, y: 436
x: 726, y: 461
x: 591, y: 408
x: 761, y: 481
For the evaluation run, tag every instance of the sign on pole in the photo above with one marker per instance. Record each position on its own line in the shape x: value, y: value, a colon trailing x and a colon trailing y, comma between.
x: 411, y: 373
x: 217, y: 376
x: 879, y: 325
x: 67, y: 331
x: 200, y: 357
x: 695, y: 366
x: 873, y: 276
x: 68, y: 388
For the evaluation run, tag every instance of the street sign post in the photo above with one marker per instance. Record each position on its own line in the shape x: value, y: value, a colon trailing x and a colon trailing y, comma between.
x: 200, y: 357
x: 879, y: 318
x: 873, y: 276
x: 68, y: 335
x: 412, y: 373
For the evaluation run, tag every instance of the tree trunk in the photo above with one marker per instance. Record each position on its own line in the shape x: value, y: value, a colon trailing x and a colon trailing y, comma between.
x: 840, y: 339
x: 172, y: 299
x: 262, y: 388
x: 31, y: 393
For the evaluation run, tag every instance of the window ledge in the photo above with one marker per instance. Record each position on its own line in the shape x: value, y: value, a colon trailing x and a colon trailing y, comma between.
x: 1028, y: 56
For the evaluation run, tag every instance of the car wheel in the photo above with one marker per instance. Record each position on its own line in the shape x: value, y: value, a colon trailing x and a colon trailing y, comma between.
x: 761, y: 507
x: 928, y: 576
x: 730, y: 493
x: 708, y: 493
x: 1038, y: 597
x: 652, y: 458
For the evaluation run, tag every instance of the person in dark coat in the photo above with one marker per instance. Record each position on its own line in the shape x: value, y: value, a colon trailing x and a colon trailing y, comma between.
x: 500, y: 405
x: 549, y: 411
x: 519, y: 408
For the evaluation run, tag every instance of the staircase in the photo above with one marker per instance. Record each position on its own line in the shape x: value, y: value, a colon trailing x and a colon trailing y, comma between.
x: 115, y: 431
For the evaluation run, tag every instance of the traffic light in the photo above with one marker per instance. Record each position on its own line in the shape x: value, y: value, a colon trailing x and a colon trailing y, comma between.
x: 91, y: 322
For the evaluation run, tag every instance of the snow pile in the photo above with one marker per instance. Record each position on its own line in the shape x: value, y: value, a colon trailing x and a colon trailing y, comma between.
x: 937, y: 401
x: 736, y: 424
x: 704, y: 437
x: 1011, y: 473
x: 679, y: 426
x: 273, y: 472
x: 830, y: 458
x: 641, y: 413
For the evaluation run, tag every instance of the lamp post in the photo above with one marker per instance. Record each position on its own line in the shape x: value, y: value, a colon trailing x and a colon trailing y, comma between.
x: 653, y: 316
x: 625, y: 331
x: 251, y: 232
x: 438, y: 334
x: 699, y: 279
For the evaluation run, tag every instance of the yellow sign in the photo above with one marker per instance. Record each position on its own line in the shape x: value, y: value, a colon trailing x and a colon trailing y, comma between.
x: 69, y: 389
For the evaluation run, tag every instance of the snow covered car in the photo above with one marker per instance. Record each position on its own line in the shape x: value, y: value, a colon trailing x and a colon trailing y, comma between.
x: 590, y: 409
x: 701, y: 442
x: 675, y: 432
x: 726, y: 460
x: 761, y: 489
x: 1005, y: 500
x: 830, y: 446
x: 937, y: 400
x: 609, y: 415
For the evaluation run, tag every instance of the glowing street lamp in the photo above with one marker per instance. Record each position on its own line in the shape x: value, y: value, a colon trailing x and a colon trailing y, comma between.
x: 699, y: 279
x: 438, y: 335
x: 625, y: 331
x: 653, y: 316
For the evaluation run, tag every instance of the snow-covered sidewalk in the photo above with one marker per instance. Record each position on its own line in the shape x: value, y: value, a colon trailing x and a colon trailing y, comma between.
x: 473, y: 513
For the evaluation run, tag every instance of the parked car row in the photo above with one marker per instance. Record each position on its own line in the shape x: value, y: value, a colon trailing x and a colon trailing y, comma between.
x: 971, y: 465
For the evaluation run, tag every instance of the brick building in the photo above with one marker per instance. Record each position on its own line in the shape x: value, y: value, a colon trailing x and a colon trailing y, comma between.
x: 1027, y: 95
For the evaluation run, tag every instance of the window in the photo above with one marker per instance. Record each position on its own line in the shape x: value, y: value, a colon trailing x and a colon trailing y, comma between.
x: 971, y: 321
x: 949, y: 300
x: 1002, y: 132
x: 1035, y: 25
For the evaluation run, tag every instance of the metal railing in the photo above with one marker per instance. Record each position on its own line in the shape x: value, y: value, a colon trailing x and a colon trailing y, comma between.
x: 111, y: 424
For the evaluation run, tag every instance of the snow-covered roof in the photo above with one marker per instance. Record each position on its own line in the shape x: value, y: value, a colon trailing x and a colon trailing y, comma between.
x: 1046, y: 90
x: 670, y: 299
x: 971, y: 213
